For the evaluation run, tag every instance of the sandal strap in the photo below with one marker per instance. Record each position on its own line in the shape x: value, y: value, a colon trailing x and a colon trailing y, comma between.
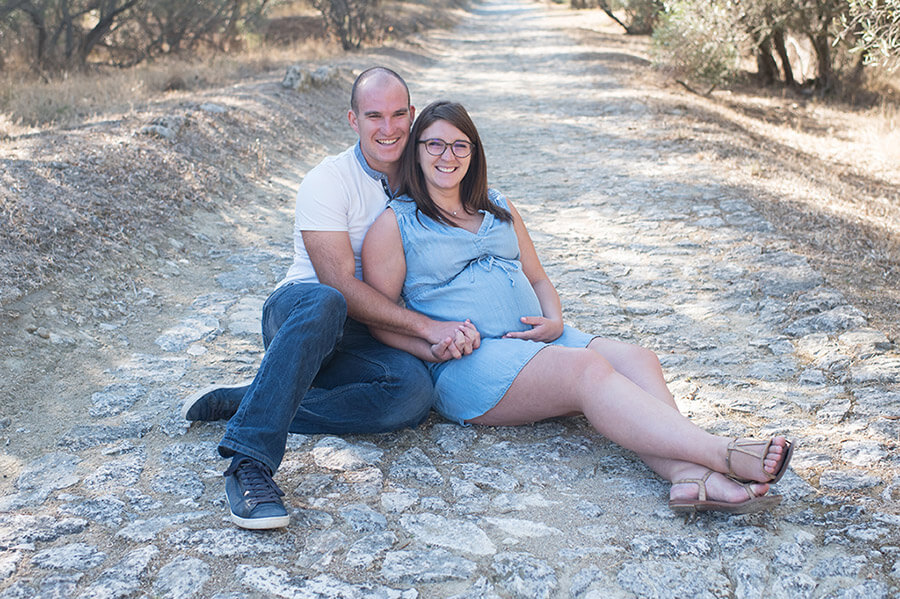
x: 739, y: 445
x: 701, y: 484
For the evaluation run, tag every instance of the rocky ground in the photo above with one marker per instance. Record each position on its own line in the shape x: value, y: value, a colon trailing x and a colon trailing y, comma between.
x: 107, y: 493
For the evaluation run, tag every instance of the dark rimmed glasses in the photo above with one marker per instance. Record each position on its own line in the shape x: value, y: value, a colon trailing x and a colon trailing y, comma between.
x: 436, y: 147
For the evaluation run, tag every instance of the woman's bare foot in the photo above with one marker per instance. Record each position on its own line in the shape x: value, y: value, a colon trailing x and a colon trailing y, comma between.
x: 758, y: 460
x: 718, y: 487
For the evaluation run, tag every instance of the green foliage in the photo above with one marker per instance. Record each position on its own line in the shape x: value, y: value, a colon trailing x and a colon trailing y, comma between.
x: 637, y: 17
x: 62, y: 34
x: 699, y: 41
x: 641, y: 15
x: 876, y: 24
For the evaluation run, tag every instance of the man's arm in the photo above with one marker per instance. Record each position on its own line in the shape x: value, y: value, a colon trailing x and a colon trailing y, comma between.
x: 332, y: 257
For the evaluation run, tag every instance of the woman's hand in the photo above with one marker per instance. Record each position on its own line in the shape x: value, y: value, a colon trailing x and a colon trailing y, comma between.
x: 543, y: 329
x: 465, y: 340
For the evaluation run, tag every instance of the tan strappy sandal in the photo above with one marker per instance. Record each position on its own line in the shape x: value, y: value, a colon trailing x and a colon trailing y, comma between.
x: 754, y: 503
x: 743, y: 446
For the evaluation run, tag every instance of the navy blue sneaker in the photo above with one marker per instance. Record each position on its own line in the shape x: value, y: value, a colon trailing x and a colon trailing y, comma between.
x: 215, y: 402
x: 254, y: 497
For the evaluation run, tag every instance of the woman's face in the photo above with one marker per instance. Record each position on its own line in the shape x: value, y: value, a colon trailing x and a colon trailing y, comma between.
x: 446, y: 170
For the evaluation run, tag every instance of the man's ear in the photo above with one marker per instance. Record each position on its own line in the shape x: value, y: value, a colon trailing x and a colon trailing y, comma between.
x: 351, y: 116
x: 412, y: 113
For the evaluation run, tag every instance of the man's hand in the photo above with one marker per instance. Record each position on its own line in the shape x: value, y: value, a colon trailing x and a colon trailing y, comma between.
x: 461, y: 341
x: 543, y: 329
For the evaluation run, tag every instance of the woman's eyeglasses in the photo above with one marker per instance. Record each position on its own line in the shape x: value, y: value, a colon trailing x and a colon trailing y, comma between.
x: 436, y: 147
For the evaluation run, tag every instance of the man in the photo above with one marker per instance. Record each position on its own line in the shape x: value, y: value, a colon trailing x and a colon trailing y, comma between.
x: 322, y: 371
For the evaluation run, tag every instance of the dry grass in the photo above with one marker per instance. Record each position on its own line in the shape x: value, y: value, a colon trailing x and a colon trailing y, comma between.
x: 27, y: 103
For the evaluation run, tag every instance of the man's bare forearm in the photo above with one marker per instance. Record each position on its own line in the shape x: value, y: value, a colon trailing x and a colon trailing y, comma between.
x: 372, y: 308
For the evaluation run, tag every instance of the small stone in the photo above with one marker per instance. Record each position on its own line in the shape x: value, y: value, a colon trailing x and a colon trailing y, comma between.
x: 750, y: 578
x: 362, y: 518
x: 213, y: 108
x: 116, y: 398
x: 178, y: 481
x: 414, y: 465
x: 201, y: 327
x: 124, y: 578
x: 106, y: 509
x: 848, y: 480
x: 272, y: 582
x: 396, y: 502
x: 242, y: 278
x: 151, y: 369
x: 20, y: 531
x: 492, y: 478
x: 142, y: 530
x: 158, y: 131
x: 425, y: 566
x: 367, y: 549
x: 181, y: 578
x: 874, y: 402
x: 335, y: 453
x: 50, y: 472
x: 120, y: 473
x: 452, y: 438
x: 231, y: 542
x: 845, y: 565
x: 320, y: 548
x: 876, y: 369
x: 75, y: 556
x: 862, y: 453
x: 523, y: 575
x: 190, y: 453
x: 456, y: 535
x: 835, y: 320
x: 90, y: 435
x: 673, y: 548
x: 522, y: 528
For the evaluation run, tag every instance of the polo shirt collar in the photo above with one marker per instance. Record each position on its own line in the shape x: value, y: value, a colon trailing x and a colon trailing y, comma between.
x: 377, y: 175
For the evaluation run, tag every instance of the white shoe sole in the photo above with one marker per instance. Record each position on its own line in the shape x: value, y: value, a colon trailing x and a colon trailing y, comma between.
x: 261, y: 523
x: 193, y: 398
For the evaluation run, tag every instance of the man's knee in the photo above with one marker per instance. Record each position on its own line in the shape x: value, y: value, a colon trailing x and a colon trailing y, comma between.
x: 412, y: 397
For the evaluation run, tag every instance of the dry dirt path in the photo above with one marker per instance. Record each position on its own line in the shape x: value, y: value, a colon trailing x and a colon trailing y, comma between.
x: 112, y: 496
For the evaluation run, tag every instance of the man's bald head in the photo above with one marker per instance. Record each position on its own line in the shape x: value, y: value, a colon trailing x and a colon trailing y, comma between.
x: 373, y: 75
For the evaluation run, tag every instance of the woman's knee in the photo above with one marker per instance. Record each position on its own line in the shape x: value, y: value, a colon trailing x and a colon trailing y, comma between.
x: 593, y: 368
x: 645, y: 359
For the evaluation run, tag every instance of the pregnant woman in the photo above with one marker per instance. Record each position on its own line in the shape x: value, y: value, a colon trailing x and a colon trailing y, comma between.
x: 454, y: 249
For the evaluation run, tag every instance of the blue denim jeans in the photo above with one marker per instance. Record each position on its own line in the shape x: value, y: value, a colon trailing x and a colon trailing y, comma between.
x: 322, y: 373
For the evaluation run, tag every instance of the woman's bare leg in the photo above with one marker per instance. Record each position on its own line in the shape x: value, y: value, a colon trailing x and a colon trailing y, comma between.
x: 560, y: 381
x: 641, y: 366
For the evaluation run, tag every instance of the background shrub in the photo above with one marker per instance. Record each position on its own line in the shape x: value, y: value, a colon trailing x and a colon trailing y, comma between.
x: 699, y: 42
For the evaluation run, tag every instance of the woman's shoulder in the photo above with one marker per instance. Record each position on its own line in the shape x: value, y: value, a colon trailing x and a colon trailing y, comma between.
x: 498, y: 198
x: 402, y: 205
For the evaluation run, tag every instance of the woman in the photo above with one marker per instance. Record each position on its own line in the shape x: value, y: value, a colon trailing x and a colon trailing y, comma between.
x: 453, y: 249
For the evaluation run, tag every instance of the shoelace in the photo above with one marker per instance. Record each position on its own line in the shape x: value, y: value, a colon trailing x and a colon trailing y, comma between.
x: 256, y: 481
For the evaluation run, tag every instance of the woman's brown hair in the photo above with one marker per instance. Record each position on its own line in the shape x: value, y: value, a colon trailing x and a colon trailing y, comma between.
x: 473, y: 188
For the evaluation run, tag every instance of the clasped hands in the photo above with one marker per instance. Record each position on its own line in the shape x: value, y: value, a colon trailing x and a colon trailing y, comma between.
x: 464, y: 338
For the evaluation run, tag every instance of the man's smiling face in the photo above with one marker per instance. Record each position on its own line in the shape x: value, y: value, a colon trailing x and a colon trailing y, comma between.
x: 382, y: 121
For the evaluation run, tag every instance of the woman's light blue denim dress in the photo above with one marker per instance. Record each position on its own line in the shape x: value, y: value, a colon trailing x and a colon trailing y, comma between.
x: 453, y: 274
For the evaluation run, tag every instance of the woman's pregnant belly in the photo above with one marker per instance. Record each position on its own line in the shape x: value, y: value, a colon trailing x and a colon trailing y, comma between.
x: 493, y: 294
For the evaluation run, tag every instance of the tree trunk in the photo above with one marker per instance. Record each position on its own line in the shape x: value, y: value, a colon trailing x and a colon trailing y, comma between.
x: 40, y: 26
x: 778, y: 38
x: 766, y: 69
x: 102, y: 27
x: 825, y: 79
